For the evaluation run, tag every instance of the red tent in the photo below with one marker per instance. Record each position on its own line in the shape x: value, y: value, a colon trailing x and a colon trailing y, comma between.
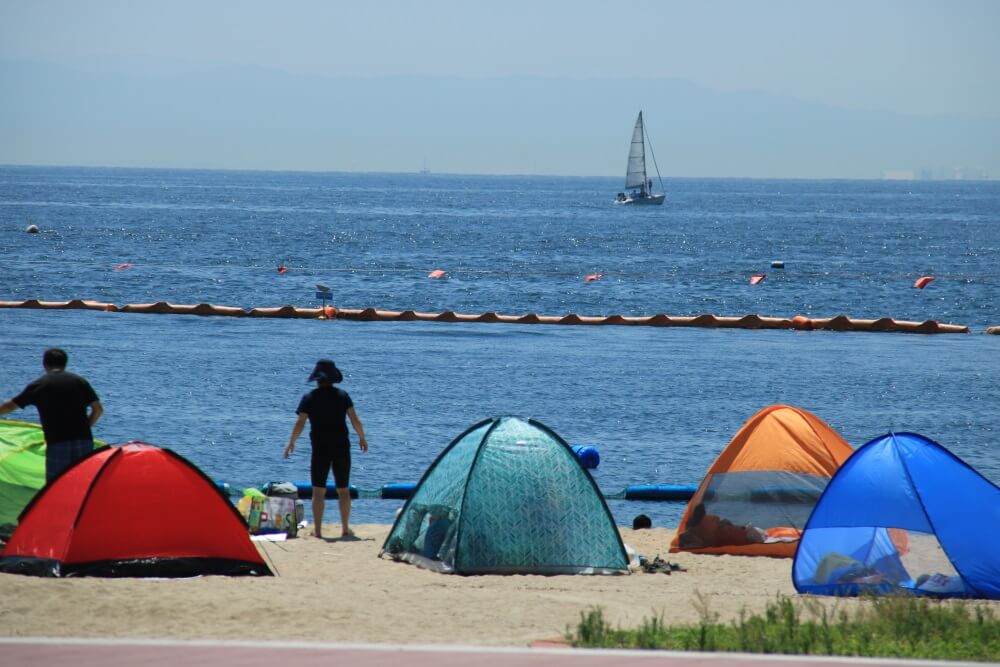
x: 131, y: 511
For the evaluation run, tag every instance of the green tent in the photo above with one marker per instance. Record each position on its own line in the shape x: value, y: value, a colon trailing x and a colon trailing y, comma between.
x: 22, y: 467
x: 508, y: 496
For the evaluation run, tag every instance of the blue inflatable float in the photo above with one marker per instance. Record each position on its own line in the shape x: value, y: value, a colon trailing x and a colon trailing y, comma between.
x: 588, y: 456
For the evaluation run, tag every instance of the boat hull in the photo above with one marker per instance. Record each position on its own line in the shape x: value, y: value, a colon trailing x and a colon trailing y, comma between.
x: 649, y: 200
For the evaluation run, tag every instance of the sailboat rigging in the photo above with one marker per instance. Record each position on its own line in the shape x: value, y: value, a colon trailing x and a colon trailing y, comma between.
x: 638, y: 186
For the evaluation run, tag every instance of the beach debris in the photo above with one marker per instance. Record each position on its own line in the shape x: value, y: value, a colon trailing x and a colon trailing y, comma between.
x: 437, y: 273
x: 777, y: 264
x: 593, y: 277
x: 660, y: 565
x: 757, y: 278
x: 923, y: 281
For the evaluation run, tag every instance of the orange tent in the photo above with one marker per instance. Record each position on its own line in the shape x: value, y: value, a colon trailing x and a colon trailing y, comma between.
x: 757, y: 496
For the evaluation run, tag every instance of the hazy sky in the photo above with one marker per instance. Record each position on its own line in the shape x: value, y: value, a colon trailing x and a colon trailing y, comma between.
x: 907, y: 56
x: 902, y: 55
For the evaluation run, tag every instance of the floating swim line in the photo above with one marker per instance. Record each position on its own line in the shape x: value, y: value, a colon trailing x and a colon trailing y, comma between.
x: 402, y: 491
x: 751, y: 321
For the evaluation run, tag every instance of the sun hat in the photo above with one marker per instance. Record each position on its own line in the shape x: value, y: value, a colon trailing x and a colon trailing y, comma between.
x: 326, y: 371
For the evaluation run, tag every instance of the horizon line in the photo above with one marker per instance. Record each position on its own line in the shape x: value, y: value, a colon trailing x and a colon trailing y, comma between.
x: 418, y: 172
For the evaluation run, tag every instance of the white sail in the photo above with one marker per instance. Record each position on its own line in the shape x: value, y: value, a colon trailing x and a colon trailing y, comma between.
x: 635, y: 175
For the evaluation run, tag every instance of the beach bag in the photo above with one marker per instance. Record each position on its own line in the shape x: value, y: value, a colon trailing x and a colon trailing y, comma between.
x: 269, y: 514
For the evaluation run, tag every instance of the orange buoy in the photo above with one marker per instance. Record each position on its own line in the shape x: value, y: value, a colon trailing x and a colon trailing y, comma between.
x: 801, y: 323
x: 592, y: 277
x: 437, y: 273
x: 330, y: 312
x: 123, y: 266
x: 757, y: 278
x: 923, y: 281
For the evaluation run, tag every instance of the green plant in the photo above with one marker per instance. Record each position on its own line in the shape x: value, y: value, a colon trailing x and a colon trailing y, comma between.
x: 892, y: 626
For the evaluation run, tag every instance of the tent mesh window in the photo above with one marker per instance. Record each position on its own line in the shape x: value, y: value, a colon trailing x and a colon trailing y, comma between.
x: 741, y: 507
x: 875, y: 559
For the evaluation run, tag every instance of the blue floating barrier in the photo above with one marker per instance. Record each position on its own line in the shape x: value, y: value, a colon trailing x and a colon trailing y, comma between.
x: 306, y: 490
x: 397, y: 491
x: 660, y: 491
x: 403, y: 490
x: 588, y: 455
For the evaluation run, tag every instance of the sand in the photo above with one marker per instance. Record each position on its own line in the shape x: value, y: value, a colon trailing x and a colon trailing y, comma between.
x: 335, y: 590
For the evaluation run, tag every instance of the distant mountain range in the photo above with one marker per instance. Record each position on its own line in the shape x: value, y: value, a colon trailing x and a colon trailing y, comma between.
x: 257, y: 118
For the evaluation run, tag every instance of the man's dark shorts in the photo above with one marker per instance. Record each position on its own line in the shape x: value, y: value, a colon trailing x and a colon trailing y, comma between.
x: 60, y: 456
x: 323, y: 460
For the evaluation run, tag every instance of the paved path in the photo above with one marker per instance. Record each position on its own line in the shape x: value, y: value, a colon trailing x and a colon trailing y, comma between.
x: 18, y: 652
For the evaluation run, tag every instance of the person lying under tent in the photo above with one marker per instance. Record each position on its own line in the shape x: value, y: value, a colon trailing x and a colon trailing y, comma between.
x: 709, y: 530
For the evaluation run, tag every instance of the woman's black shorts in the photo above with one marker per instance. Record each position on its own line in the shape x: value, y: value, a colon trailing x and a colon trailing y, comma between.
x: 338, y: 459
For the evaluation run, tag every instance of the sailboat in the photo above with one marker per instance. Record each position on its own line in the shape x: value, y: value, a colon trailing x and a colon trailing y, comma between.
x: 638, y: 186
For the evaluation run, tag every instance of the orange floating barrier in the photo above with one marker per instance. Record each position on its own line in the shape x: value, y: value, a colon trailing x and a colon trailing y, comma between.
x: 757, y: 278
x: 705, y: 320
x: 437, y: 273
x: 123, y: 266
x: 923, y: 281
x: 592, y: 277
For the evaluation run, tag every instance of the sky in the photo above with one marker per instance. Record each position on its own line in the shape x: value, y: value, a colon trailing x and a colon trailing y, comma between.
x: 916, y: 58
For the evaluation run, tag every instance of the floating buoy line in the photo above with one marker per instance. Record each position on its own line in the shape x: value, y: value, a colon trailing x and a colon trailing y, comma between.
x: 751, y: 321
x: 458, y: 272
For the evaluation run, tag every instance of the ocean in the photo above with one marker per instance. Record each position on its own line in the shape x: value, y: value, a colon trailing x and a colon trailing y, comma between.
x: 658, y: 403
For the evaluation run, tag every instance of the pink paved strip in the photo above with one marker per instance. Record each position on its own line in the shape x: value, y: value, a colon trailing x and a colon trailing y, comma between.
x: 17, y: 652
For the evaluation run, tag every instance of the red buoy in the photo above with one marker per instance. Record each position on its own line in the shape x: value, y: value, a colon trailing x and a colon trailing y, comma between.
x: 923, y: 281
x: 282, y: 269
x: 437, y: 273
x: 592, y: 277
x: 757, y: 278
x: 123, y: 266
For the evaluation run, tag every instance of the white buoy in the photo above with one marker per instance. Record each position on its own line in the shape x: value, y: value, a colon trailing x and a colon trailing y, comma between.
x: 31, y: 229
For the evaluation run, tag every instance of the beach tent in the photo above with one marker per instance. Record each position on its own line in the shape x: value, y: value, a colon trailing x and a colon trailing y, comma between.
x: 757, y: 495
x: 22, y: 467
x: 133, y: 510
x: 507, y: 496
x: 903, y: 514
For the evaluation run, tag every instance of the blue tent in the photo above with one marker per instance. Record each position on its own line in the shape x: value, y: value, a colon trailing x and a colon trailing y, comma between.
x: 903, y: 514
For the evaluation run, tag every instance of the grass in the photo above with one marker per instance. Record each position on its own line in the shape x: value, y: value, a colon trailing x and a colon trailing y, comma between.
x: 893, y: 626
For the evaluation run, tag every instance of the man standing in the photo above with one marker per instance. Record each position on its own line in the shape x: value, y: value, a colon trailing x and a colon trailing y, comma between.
x: 63, y: 400
x: 326, y: 407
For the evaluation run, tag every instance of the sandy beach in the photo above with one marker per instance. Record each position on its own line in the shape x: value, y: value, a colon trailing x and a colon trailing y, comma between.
x: 336, y: 590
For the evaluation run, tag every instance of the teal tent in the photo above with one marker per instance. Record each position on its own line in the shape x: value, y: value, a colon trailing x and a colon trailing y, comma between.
x: 507, y: 496
x: 22, y: 468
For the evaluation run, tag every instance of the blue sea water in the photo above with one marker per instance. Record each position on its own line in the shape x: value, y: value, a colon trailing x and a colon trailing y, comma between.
x: 659, y: 403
